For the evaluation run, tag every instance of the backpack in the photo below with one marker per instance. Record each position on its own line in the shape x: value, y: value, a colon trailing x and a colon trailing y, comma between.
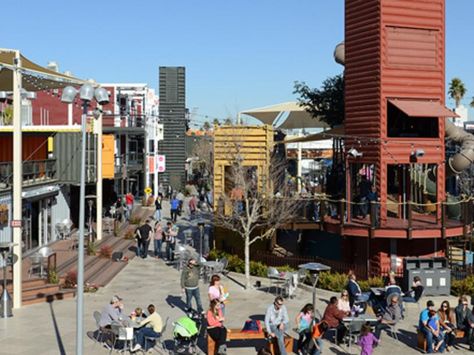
x: 252, y: 326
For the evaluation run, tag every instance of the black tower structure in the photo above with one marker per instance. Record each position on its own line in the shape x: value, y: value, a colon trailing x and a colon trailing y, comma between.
x: 172, y: 91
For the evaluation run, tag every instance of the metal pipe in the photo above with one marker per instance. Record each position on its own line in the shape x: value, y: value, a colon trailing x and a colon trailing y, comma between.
x: 98, y: 203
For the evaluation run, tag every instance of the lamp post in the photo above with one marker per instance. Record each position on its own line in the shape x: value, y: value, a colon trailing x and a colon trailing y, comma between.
x: 86, y: 94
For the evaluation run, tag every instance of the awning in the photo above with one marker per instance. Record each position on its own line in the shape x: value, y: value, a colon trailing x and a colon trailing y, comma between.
x: 39, y: 193
x: 35, y: 77
x: 422, y: 108
x: 331, y: 133
x: 296, y: 116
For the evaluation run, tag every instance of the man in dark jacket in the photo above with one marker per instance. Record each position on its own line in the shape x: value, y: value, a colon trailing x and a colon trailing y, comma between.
x: 465, y: 320
x: 333, y: 317
x: 143, y: 235
x: 190, y: 284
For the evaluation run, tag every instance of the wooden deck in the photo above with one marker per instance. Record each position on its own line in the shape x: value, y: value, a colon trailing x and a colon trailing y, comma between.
x: 423, y: 226
x: 97, y: 270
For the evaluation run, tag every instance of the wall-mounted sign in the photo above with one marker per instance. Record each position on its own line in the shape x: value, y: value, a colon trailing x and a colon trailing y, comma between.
x: 16, y: 223
x: 161, y: 163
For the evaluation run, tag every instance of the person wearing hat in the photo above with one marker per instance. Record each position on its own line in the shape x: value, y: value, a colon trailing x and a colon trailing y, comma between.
x: 111, y: 312
x: 190, y: 284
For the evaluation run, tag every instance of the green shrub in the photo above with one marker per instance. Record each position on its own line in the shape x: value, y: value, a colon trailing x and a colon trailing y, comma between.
x: 53, y: 277
x: 463, y: 287
x: 258, y: 269
x: 135, y: 220
x: 332, y: 281
x: 365, y: 285
x: 91, y: 249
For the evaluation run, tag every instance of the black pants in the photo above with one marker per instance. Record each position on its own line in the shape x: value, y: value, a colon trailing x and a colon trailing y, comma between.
x: 341, y: 332
x: 449, y: 338
x: 219, y: 335
x: 174, y: 215
x: 304, y: 338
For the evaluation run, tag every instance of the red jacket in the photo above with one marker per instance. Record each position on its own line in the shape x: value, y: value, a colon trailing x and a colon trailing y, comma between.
x: 333, y: 316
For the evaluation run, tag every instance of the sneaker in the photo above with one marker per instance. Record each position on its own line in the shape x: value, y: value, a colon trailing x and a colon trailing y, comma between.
x: 107, y: 346
x: 136, y: 347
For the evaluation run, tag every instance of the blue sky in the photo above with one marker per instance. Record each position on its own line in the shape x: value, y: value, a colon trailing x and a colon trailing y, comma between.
x: 238, y: 54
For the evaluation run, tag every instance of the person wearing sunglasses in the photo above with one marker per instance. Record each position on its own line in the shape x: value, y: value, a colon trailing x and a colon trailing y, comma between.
x: 343, y: 302
x: 447, y: 321
x: 465, y: 320
x: 276, y: 322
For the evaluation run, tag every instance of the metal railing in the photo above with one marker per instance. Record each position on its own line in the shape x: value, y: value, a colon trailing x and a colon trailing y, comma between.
x: 34, y: 171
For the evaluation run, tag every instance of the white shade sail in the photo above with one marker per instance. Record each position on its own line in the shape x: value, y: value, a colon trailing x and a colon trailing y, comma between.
x: 297, y: 116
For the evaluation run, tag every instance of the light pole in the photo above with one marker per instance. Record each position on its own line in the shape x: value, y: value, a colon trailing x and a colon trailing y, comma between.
x: 86, y: 94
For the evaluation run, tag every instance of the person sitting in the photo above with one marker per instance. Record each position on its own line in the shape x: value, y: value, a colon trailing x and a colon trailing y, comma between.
x: 414, y: 295
x: 438, y: 338
x: 138, y: 314
x: 465, y: 320
x: 392, y: 287
x: 428, y: 326
x: 303, y: 325
x: 216, y: 291
x: 355, y: 293
x: 276, y: 322
x: 391, y: 315
x: 215, y: 326
x: 343, y: 302
x: 447, y: 322
x: 333, y: 317
x: 315, y: 347
x: 151, y: 328
x: 111, y: 313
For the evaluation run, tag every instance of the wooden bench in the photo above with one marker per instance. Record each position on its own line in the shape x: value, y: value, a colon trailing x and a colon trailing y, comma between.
x: 237, y: 334
x: 421, y: 340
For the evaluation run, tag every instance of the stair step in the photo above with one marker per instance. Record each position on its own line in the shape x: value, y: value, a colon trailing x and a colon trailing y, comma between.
x: 39, y: 290
x: 49, y: 297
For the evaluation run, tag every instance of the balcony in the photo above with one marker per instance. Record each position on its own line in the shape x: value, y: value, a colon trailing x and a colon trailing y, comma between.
x: 133, y: 162
x: 131, y: 122
x: 34, y: 172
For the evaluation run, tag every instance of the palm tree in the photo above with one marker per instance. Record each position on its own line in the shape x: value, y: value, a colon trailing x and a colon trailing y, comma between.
x: 457, y: 90
x: 206, y: 126
x: 216, y: 122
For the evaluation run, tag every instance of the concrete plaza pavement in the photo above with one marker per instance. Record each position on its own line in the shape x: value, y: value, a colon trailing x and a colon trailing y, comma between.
x: 45, y: 329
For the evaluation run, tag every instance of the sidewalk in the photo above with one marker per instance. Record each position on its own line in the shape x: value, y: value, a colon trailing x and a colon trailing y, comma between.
x: 45, y: 329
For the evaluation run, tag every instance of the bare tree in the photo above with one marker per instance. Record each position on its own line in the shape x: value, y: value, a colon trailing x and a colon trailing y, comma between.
x: 202, y: 150
x: 253, y: 206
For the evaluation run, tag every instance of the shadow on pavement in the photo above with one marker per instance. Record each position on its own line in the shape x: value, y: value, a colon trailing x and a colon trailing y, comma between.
x: 50, y: 301
x: 176, y: 301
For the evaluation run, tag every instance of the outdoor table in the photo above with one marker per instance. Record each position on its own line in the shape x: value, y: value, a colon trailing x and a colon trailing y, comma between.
x: 314, y: 269
x: 355, y: 322
x: 124, y: 330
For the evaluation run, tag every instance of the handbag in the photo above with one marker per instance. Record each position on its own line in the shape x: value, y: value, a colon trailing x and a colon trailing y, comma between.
x: 252, y: 326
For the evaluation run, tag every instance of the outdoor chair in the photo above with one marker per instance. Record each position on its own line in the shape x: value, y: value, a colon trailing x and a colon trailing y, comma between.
x: 36, y: 261
x: 224, y: 262
x: 100, y: 334
x: 275, y: 280
x: 157, y: 341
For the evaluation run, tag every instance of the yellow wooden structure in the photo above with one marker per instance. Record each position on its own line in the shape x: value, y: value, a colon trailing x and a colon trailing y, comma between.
x: 253, y: 145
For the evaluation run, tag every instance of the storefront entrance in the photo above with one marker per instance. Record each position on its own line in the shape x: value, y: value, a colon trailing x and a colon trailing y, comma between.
x: 37, y: 223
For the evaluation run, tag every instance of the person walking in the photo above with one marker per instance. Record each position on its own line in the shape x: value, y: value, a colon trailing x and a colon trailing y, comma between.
x: 158, y: 239
x: 276, y: 322
x: 367, y: 340
x: 190, y: 284
x: 192, y: 206
x: 174, y: 208
x: 158, y: 207
x: 171, y: 233
x: 215, y: 326
x: 144, y: 235
x: 129, y: 200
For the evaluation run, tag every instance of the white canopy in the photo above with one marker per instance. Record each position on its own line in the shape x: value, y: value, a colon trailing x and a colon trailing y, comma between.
x: 297, y: 116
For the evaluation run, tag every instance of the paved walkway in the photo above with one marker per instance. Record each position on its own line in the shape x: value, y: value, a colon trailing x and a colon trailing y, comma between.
x: 45, y: 329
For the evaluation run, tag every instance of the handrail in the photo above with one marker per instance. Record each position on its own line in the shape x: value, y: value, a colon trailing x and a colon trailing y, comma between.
x: 33, y: 171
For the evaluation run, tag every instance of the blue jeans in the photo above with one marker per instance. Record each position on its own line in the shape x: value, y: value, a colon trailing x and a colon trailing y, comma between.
x: 363, y: 297
x: 157, y: 215
x: 158, y: 243
x: 280, y: 335
x: 190, y: 293
x: 146, y: 332
x: 139, y: 248
x: 317, y: 351
x: 429, y: 339
x: 170, y: 251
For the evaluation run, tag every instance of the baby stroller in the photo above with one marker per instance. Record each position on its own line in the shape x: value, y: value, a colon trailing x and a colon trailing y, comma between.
x: 185, y: 334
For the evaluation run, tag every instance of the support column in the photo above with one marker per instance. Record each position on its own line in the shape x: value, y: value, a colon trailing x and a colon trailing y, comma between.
x: 99, y: 176
x: 17, y: 180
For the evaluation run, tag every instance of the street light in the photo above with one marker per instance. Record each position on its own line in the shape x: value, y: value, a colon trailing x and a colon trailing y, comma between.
x: 86, y: 94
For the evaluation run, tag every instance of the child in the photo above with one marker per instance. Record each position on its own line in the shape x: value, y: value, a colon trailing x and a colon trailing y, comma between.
x: 433, y: 323
x: 367, y: 340
x: 315, y: 347
x: 303, y: 326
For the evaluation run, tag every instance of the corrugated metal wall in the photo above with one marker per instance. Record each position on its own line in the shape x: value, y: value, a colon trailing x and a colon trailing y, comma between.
x: 67, y: 151
x: 394, y: 49
x: 172, y: 93
x: 5, y: 230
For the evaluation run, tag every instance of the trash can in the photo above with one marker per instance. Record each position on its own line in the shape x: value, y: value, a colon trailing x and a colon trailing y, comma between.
x: 434, y: 273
